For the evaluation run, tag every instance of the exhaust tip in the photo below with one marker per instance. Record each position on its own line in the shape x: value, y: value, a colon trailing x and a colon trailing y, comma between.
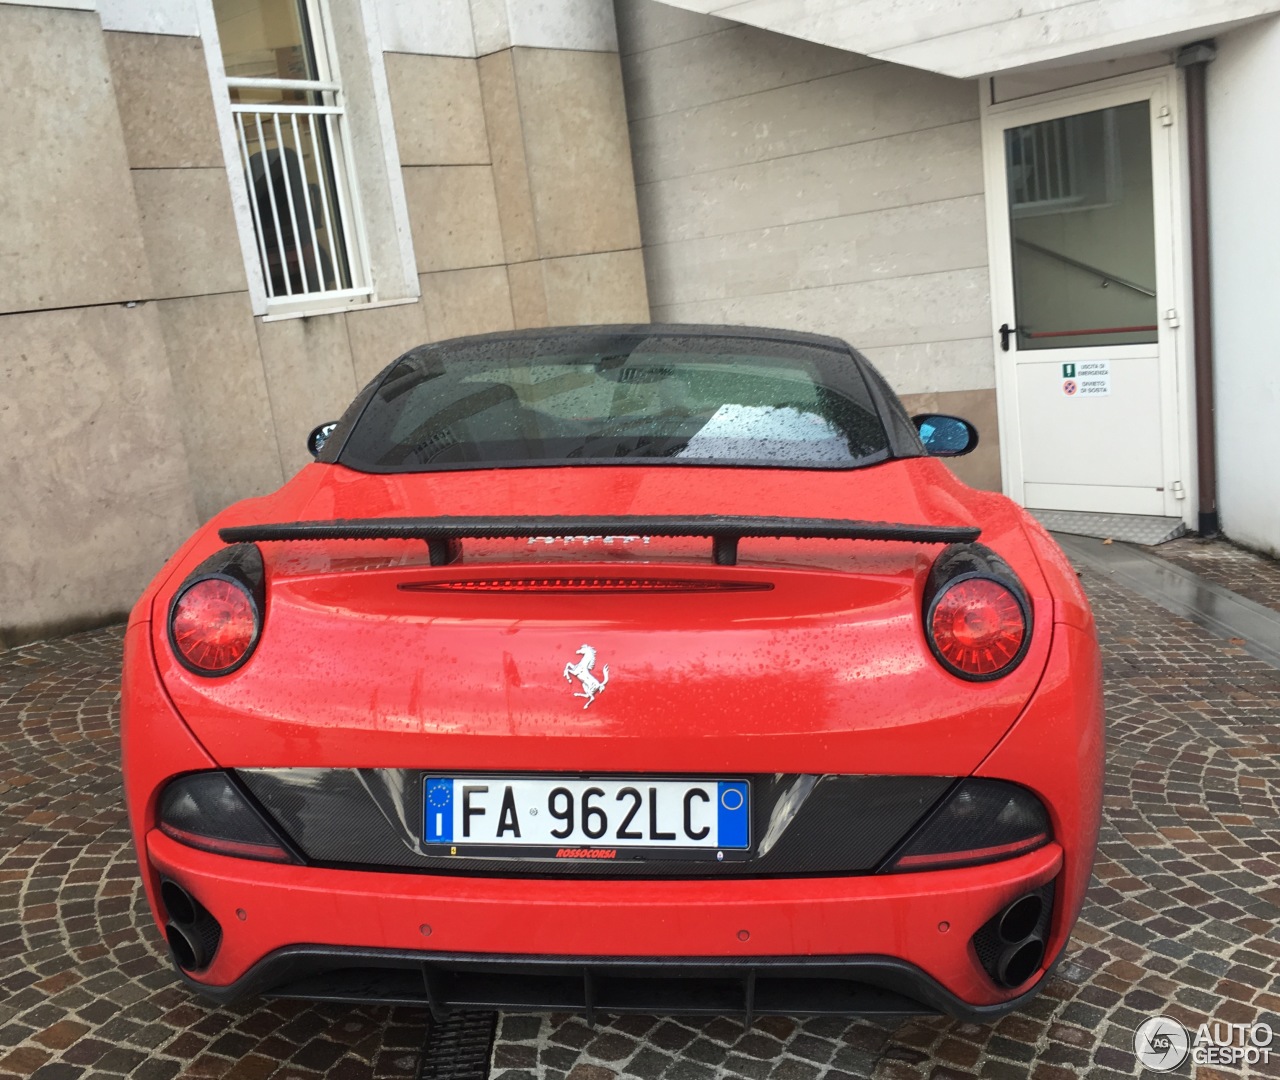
x: 177, y: 902
x: 1018, y: 963
x: 192, y: 933
x: 1011, y: 945
x: 1019, y: 920
x: 183, y: 948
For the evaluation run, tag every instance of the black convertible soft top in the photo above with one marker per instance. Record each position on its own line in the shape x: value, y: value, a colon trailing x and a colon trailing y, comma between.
x: 625, y: 394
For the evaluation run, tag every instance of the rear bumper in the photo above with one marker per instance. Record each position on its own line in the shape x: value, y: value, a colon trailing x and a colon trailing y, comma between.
x: 898, y: 925
x: 662, y: 985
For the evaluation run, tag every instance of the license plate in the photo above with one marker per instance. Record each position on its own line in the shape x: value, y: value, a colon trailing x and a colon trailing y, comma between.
x: 586, y: 818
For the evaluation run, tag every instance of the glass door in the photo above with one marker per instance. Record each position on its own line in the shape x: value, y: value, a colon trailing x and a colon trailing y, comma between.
x: 1083, y: 269
x: 1081, y: 229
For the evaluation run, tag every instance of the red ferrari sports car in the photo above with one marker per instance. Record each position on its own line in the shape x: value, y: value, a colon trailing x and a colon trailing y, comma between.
x: 623, y: 668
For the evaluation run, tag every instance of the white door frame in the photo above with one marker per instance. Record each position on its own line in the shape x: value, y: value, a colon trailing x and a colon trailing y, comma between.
x: 1163, y: 87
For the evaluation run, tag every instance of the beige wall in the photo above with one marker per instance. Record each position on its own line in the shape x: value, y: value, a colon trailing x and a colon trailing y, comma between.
x: 517, y: 174
x: 72, y: 236
x: 139, y: 394
x: 96, y: 487
x: 783, y: 183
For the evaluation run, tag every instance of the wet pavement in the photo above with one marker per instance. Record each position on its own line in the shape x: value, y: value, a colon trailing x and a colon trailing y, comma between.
x: 1207, y: 601
x: 1253, y: 576
x: 1182, y: 918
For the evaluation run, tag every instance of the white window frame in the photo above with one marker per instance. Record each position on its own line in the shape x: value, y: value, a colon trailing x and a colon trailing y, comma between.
x: 231, y: 117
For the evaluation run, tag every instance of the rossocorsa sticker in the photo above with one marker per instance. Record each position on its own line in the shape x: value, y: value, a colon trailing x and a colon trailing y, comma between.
x: 586, y: 853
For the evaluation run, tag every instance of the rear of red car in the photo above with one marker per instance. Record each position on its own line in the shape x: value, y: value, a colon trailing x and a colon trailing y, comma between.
x: 690, y: 730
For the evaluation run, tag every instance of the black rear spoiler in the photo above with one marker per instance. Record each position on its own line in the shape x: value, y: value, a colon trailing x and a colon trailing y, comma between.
x: 442, y: 534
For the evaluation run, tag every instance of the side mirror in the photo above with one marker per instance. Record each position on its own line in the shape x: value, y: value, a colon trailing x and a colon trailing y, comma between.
x: 945, y: 436
x: 319, y: 436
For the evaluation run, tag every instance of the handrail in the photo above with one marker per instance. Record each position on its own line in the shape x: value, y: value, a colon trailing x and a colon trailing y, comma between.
x: 1106, y: 278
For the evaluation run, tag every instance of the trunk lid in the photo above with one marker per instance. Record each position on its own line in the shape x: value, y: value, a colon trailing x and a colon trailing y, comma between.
x: 807, y: 656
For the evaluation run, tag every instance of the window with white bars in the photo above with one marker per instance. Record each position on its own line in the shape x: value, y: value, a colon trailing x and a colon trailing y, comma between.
x: 1064, y: 163
x: 291, y: 130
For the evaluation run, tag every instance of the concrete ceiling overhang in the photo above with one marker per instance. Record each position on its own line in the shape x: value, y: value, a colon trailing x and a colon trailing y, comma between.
x: 971, y: 38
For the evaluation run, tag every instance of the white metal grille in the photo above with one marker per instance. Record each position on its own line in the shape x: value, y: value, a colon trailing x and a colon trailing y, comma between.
x: 295, y: 155
x: 1042, y: 164
x: 1071, y: 162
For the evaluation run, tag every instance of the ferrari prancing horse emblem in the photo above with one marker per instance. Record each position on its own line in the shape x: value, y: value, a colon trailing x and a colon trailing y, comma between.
x: 581, y: 671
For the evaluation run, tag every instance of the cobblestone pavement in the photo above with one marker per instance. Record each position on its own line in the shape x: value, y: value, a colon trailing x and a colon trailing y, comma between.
x: 1182, y: 918
x: 1253, y: 576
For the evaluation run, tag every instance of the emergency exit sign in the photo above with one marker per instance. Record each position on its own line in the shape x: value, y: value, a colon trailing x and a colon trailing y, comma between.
x: 1089, y: 378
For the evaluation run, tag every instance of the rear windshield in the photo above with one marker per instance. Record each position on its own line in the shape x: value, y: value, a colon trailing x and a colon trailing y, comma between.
x: 615, y: 399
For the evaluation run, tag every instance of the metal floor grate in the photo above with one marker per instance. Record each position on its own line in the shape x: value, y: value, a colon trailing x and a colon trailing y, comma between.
x: 1131, y: 528
x: 458, y: 1047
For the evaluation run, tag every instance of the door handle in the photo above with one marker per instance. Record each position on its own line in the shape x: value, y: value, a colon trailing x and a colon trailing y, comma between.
x: 1005, y: 331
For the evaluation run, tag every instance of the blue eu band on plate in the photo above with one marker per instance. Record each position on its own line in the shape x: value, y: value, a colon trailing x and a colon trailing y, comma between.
x: 557, y: 812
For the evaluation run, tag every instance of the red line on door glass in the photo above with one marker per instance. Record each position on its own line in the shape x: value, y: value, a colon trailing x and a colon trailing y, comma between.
x: 1099, y: 330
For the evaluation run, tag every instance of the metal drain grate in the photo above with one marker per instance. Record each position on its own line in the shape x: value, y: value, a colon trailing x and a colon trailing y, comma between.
x: 458, y: 1047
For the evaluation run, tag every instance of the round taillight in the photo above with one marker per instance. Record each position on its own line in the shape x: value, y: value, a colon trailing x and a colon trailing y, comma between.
x: 978, y: 628
x: 214, y: 626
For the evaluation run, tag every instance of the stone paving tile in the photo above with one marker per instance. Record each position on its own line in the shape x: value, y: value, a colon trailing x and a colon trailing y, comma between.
x: 85, y: 988
x: 1255, y: 577
x: 1182, y: 917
